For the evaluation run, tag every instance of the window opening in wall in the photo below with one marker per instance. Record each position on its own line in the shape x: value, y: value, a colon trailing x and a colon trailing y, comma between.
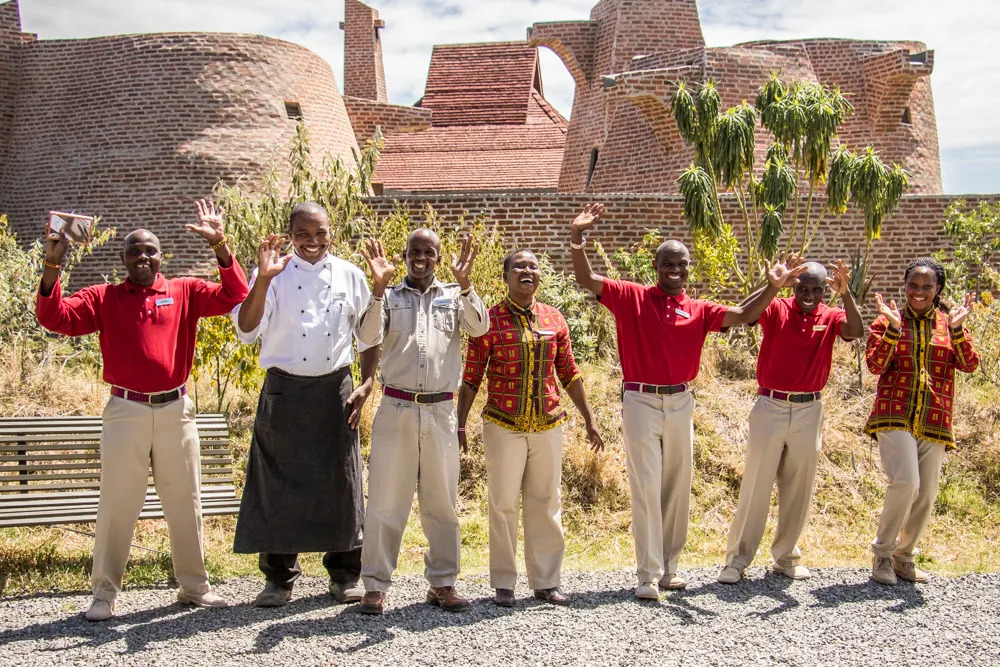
x: 905, y: 120
x: 293, y: 110
x: 593, y: 165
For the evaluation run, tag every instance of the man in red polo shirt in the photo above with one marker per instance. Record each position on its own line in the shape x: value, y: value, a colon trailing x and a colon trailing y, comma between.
x: 147, y: 328
x: 786, y: 422
x: 661, y: 332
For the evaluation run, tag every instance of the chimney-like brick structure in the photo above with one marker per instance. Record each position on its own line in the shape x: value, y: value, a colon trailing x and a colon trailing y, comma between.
x: 364, y: 74
x: 10, y: 40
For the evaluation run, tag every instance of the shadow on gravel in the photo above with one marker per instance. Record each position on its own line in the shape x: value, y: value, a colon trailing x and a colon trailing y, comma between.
x: 770, y: 586
x: 906, y: 596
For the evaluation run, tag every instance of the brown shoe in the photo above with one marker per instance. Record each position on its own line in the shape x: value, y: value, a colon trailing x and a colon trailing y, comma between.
x: 372, y: 603
x: 504, y: 597
x: 447, y: 598
x: 909, y: 572
x: 552, y: 596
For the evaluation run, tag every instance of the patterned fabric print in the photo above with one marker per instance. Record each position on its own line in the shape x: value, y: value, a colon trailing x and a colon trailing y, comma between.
x: 916, y: 367
x: 521, y: 356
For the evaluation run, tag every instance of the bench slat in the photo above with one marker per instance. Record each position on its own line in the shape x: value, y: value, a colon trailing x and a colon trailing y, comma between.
x: 83, y: 518
x: 83, y: 497
x: 62, y: 445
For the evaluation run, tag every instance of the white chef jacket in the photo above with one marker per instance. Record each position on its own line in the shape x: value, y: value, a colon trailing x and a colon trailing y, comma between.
x: 310, y: 316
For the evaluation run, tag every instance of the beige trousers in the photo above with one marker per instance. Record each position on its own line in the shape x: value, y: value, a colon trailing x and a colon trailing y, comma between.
x: 783, y: 446
x: 529, y: 466
x: 413, y: 446
x: 659, y: 448
x: 132, y: 436
x: 914, y: 470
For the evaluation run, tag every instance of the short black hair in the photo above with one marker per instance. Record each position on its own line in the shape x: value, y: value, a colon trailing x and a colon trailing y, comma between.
x: 307, y: 208
x: 938, y: 270
x: 509, y: 259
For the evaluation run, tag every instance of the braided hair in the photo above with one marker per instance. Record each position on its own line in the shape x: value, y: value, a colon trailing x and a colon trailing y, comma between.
x: 927, y: 262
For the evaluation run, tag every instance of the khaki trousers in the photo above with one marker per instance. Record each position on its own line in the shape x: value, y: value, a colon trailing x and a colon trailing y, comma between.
x: 528, y: 465
x: 914, y: 470
x: 659, y: 448
x: 783, y: 446
x: 133, y: 436
x: 413, y: 446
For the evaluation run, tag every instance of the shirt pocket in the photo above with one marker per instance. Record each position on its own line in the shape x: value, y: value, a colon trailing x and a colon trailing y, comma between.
x: 400, y: 316
x: 444, y: 316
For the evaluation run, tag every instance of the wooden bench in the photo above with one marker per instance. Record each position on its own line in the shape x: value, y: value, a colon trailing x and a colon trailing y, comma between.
x: 50, y: 470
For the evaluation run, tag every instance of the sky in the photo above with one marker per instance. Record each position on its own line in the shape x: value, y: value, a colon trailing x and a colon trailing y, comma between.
x: 962, y: 33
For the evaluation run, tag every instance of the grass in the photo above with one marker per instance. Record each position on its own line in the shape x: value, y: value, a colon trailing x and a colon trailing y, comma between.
x: 963, y: 536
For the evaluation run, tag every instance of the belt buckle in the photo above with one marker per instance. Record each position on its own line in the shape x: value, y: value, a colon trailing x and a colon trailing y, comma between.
x: 416, y: 398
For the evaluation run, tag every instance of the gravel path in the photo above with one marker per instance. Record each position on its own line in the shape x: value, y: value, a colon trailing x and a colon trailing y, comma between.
x: 837, y: 617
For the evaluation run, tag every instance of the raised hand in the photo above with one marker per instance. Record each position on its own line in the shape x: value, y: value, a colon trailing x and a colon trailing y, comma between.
x: 461, y: 266
x: 382, y: 269
x: 840, y: 282
x: 588, y: 217
x: 209, y: 222
x: 785, y: 269
x: 56, y: 247
x: 270, y: 261
x: 891, y: 312
x: 958, y: 314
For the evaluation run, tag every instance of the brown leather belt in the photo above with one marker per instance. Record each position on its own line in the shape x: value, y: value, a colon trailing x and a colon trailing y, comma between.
x: 663, y: 389
x: 806, y: 397
x: 417, y: 397
x: 152, y: 399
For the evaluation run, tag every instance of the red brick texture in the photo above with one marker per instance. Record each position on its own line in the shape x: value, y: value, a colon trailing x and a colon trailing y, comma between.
x: 366, y: 115
x: 643, y: 46
x: 364, y: 73
x: 540, y: 222
x: 135, y: 128
x: 10, y: 40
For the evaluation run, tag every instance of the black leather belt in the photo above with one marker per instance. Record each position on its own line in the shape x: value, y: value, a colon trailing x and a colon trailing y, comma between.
x: 663, y: 389
x: 806, y: 397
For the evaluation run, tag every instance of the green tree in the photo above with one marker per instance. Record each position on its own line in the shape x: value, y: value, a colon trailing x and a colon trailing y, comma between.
x: 803, y: 119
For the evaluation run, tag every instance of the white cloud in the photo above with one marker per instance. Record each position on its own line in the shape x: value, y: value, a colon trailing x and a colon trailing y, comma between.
x: 961, y: 33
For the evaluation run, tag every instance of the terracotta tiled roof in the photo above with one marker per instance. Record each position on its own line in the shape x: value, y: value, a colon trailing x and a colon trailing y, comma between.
x: 481, y: 84
x: 526, y: 156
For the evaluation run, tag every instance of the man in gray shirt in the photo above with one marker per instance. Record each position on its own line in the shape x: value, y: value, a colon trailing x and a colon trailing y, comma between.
x: 415, y: 431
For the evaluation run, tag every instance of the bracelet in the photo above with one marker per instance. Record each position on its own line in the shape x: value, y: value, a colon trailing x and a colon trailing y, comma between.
x: 376, y: 298
x: 466, y: 292
x: 223, y: 241
x: 50, y: 265
x: 578, y: 246
x: 461, y: 430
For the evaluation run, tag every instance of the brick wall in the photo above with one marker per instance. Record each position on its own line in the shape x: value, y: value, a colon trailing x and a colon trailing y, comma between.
x: 10, y: 40
x: 364, y: 73
x: 540, y: 222
x: 366, y: 115
x: 135, y: 128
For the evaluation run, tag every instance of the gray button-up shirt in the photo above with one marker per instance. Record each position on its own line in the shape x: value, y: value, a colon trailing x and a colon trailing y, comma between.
x: 419, y: 333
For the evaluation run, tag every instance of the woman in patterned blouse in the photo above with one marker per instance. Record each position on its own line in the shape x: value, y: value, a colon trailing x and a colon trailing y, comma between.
x: 524, y: 357
x: 915, y: 353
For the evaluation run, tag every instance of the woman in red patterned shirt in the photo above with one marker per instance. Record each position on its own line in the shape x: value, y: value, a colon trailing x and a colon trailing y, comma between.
x: 915, y: 353
x: 525, y: 352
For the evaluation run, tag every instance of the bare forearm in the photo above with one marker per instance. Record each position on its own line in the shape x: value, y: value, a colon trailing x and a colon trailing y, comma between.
x: 369, y: 363
x: 582, y: 271
x: 224, y: 255
x: 579, y: 397
x: 252, y: 309
x: 49, y: 277
x: 753, y: 308
x: 854, y: 327
x: 466, y: 396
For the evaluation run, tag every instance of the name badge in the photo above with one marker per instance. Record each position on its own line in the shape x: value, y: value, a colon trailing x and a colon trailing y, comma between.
x: 682, y: 313
x: 443, y: 302
x: 819, y: 327
x: 165, y: 301
x: 545, y: 332
x: 338, y: 296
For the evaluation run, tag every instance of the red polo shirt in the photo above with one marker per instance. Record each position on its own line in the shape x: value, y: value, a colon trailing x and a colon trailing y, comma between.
x: 797, y: 349
x: 660, y: 337
x: 147, y: 334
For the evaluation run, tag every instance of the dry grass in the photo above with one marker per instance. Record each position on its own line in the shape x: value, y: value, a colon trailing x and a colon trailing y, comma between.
x: 963, y: 535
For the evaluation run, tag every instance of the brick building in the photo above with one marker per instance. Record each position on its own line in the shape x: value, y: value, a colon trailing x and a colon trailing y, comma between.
x: 134, y: 127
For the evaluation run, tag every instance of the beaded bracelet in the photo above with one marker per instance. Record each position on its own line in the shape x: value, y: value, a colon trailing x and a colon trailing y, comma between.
x: 221, y: 243
x: 50, y: 265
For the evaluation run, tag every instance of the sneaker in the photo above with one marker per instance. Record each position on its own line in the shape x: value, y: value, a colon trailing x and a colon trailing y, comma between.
x: 647, y: 591
x: 671, y: 582
x: 730, y: 575
x: 273, y: 595
x: 346, y: 593
x: 100, y: 610
x: 882, y: 571
x: 909, y: 572
x: 208, y: 599
x: 796, y: 572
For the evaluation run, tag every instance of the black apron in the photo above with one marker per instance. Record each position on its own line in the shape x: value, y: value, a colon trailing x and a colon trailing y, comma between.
x: 303, y: 487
